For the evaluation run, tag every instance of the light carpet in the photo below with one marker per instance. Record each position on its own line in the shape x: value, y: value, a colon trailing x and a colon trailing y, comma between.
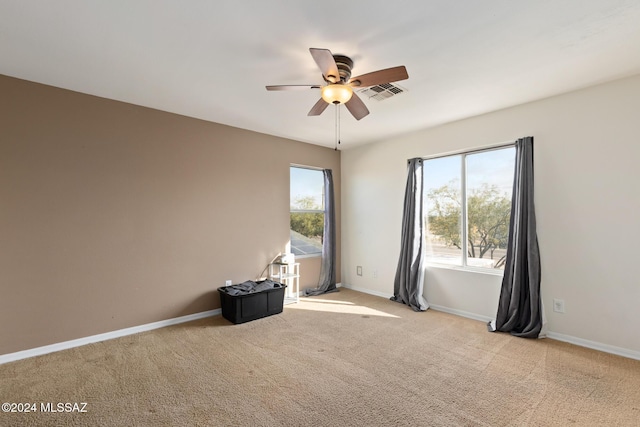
x: 342, y: 359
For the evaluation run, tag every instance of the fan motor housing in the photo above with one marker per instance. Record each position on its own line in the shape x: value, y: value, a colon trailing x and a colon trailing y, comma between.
x: 344, y: 64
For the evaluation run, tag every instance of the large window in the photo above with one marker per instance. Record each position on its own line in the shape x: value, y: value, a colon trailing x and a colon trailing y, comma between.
x: 306, y: 211
x: 467, y: 207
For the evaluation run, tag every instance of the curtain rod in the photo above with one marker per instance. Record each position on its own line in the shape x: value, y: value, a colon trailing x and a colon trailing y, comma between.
x: 306, y: 167
x: 471, y: 151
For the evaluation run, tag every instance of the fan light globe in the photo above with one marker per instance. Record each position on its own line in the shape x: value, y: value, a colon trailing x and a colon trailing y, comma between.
x: 336, y: 94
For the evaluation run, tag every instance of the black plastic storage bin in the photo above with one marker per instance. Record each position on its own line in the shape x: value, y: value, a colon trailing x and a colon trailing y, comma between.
x: 251, y: 306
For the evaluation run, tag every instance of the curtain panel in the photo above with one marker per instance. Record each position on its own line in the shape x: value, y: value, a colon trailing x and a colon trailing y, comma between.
x: 409, y: 281
x: 327, y: 281
x: 520, y: 306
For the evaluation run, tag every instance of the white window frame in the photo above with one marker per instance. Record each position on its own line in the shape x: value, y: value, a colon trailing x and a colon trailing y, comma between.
x: 322, y: 211
x: 464, y: 219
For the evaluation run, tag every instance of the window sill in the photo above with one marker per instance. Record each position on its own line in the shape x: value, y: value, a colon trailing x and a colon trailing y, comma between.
x: 308, y: 256
x: 489, y: 271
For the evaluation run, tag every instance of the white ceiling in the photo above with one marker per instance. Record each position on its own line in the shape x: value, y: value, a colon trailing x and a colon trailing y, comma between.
x: 212, y: 59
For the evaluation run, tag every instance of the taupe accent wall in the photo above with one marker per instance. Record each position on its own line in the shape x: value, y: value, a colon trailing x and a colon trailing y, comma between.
x: 114, y: 215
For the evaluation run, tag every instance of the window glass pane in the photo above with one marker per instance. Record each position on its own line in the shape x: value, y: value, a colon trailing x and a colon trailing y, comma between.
x: 307, y: 189
x: 443, y: 211
x: 489, y: 186
x: 306, y: 233
x: 307, y: 211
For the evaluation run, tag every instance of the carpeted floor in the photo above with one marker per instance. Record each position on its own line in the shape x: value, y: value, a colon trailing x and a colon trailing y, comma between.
x: 343, y: 359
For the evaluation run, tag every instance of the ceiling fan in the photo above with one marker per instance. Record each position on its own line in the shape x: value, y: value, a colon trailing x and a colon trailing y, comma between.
x: 336, y: 72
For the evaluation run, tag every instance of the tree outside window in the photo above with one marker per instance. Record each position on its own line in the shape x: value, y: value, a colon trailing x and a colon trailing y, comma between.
x: 306, y: 211
x: 468, y: 207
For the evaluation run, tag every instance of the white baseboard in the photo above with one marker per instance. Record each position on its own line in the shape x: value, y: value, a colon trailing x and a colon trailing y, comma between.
x: 366, y: 291
x: 11, y: 357
x: 619, y: 351
x: 461, y: 313
x: 435, y: 307
x: 606, y: 348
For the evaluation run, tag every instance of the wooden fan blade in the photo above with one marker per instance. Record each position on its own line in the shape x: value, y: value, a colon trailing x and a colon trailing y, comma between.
x: 326, y: 63
x: 379, y: 77
x: 356, y: 107
x: 318, y: 108
x: 292, y: 87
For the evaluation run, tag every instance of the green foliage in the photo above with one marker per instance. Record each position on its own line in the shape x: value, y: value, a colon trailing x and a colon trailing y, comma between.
x: 306, y: 202
x: 488, y: 214
x: 310, y: 224
x: 444, y: 216
x: 307, y: 224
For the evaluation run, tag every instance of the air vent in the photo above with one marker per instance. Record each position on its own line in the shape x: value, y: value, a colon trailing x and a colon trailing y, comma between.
x: 382, y: 91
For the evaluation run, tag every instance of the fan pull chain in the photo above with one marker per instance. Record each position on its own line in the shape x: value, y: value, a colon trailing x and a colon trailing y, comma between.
x: 337, y: 126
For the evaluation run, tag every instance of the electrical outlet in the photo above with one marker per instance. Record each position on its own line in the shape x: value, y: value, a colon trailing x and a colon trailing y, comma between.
x: 228, y: 283
x: 375, y: 274
x: 359, y: 270
x: 558, y: 305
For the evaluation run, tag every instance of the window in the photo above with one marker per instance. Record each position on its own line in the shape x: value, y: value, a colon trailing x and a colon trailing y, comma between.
x: 306, y: 211
x: 467, y: 207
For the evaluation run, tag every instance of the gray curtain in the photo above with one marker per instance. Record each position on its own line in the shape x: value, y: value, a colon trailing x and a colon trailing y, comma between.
x: 409, y: 281
x: 327, y: 282
x: 519, y: 307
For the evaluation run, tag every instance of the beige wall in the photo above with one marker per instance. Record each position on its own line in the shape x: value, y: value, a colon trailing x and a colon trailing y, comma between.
x: 114, y: 215
x: 587, y: 148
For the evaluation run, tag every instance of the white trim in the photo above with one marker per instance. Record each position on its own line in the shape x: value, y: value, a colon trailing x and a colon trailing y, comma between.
x: 367, y: 291
x: 464, y: 232
x: 469, y: 269
x: 619, y: 351
x: 479, y: 149
x: 460, y: 313
x: 306, y: 256
x: 313, y: 168
x: 606, y: 348
x: 38, y: 351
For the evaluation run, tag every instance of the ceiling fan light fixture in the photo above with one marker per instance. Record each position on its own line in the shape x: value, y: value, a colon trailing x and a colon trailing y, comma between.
x: 336, y: 93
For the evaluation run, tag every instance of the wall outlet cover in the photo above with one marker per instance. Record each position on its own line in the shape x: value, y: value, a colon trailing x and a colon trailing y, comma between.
x: 558, y: 305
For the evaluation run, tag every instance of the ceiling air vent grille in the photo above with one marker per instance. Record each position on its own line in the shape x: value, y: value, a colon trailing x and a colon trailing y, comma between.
x: 382, y: 91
